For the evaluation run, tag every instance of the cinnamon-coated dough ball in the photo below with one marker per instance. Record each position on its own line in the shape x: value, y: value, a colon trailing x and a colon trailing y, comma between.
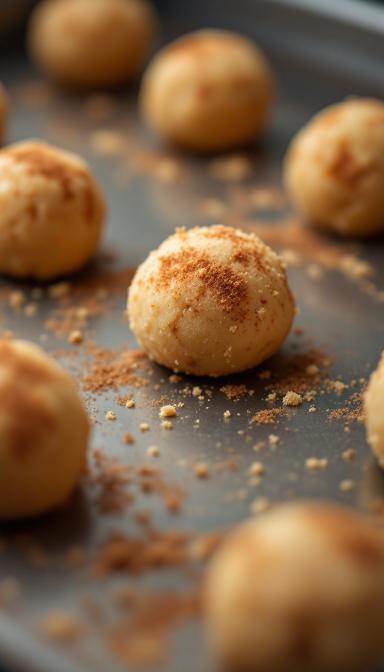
x: 3, y: 112
x: 299, y: 590
x: 51, y: 211
x: 374, y: 416
x: 334, y: 169
x: 210, y: 301
x: 88, y: 43
x: 43, y: 432
x: 208, y: 90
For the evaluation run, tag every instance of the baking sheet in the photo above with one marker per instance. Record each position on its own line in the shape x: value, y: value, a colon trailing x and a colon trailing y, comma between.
x: 151, y: 190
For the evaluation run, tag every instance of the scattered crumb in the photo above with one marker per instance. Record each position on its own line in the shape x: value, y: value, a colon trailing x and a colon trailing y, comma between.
x: 273, y: 439
x: 128, y: 438
x: 266, y: 416
x: 110, y: 415
x: 347, y: 485
x: 167, y: 412
x: 60, y: 626
x: 75, y: 337
x: 312, y: 370
x: 167, y: 424
x: 349, y: 454
x: 144, y: 427
x: 201, y: 470
x: 16, y: 299
x: 227, y: 414
x: 256, y: 469
x: 153, y: 451
x: 260, y: 505
x: 59, y: 290
x: 316, y: 463
x: 130, y: 403
x: 292, y: 399
x: 260, y: 445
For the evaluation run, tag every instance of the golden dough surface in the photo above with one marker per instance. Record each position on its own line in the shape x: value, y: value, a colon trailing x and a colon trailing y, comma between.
x: 300, y: 589
x: 43, y: 432
x: 210, y: 301
x: 374, y: 416
x: 208, y: 90
x: 334, y: 168
x: 88, y: 43
x: 51, y: 211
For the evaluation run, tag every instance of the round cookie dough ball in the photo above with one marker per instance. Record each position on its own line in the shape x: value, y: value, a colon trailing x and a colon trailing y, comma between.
x: 51, y: 211
x: 89, y: 43
x: 43, y: 432
x: 300, y: 589
x: 208, y: 90
x: 334, y: 168
x: 3, y: 112
x: 374, y: 418
x: 210, y: 301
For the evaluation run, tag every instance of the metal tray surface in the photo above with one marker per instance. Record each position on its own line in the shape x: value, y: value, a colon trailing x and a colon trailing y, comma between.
x: 337, y: 316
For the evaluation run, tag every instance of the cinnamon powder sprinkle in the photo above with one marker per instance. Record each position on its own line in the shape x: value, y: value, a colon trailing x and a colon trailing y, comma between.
x: 157, y: 549
x: 267, y: 416
x: 111, y: 370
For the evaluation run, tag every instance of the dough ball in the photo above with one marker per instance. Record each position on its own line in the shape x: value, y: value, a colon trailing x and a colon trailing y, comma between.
x: 88, y: 43
x: 334, y: 169
x: 374, y: 417
x: 210, y: 301
x: 51, y: 211
x: 3, y: 112
x: 208, y: 90
x: 298, y: 590
x: 43, y: 432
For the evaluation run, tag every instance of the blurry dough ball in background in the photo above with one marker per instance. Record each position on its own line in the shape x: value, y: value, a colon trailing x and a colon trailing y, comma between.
x: 51, y: 211
x: 374, y: 415
x: 3, y: 112
x: 208, y: 90
x: 334, y: 169
x: 210, y: 301
x: 92, y: 42
x: 299, y: 590
x: 43, y: 432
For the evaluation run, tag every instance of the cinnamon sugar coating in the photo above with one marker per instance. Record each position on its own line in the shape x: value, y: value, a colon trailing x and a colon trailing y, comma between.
x: 90, y: 43
x: 208, y: 90
x: 373, y: 405
x: 300, y: 589
x: 210, y: 301
x: 334, y: 168
x: 43, y: 432
x: 51, y: 211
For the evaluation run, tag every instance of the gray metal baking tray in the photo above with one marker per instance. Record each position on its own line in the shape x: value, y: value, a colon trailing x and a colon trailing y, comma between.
x: 322, y: 51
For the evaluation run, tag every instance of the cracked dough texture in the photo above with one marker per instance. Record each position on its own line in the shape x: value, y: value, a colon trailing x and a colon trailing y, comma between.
x: 374, y: 416
x: 334, y: 168
x: 51, y: 211
x: 210, y: 301
x: 43, y: 432
x: 300, y: 589
x: 208, y: 90
x: 89, y: 43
